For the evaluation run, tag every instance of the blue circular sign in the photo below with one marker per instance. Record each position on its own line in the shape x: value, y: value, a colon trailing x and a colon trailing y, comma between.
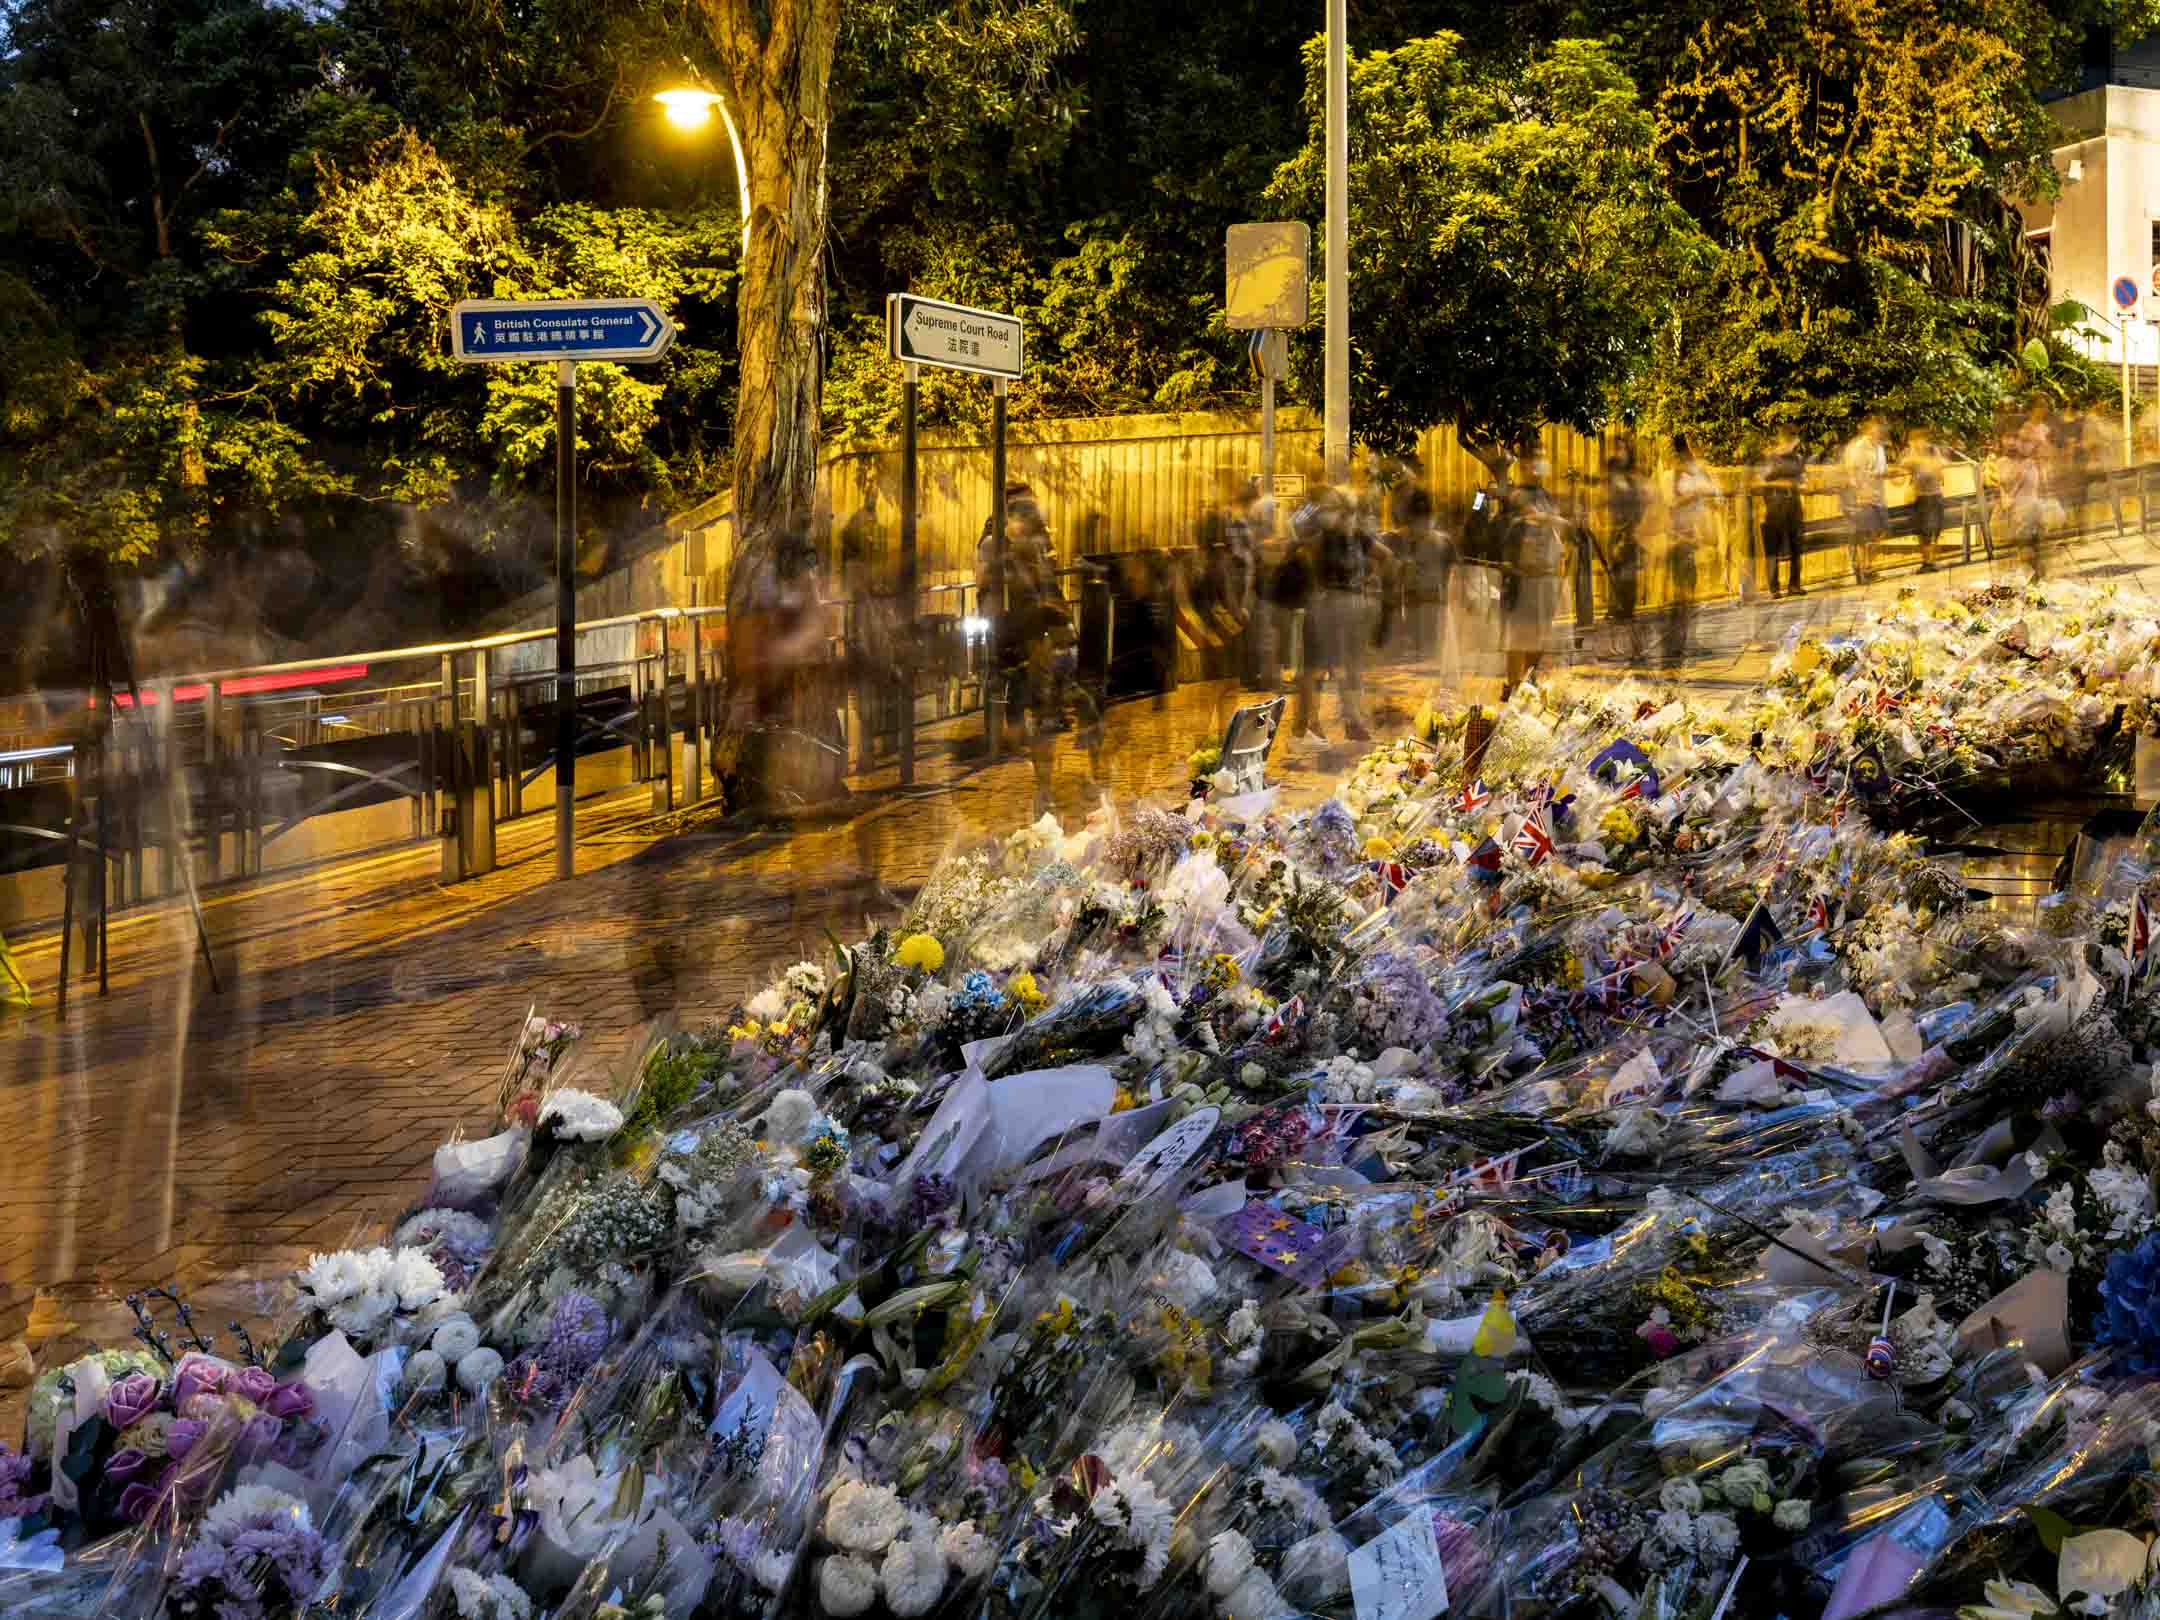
x: 2126, y: 292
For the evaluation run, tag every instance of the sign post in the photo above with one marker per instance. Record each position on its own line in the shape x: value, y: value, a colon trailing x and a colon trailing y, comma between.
x: 925, y: 332
x: 491, y: 331
x: 1267, y: 279
x: 2126, y: 300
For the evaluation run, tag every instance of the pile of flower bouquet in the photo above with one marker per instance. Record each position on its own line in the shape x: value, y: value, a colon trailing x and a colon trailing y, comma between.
x: 1623, y: 1175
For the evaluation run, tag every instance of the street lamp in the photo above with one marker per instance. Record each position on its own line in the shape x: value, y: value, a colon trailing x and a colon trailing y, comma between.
x: 689, y: 109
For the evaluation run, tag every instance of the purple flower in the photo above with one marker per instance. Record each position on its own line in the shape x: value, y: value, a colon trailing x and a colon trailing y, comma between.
x: 289, y: 1401
x: 138, y: 1502
x: 255, y: 1383
x: 132, y: 1398
x: 198, y: 1375
x: 125, y: 1464
x: 258, y: 1437
x: 181, y: 1437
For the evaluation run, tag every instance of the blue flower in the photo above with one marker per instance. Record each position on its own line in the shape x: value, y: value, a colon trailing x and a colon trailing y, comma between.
x: 2130, y: 1304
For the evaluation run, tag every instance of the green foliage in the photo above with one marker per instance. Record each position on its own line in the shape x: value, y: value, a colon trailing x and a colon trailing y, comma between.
x: 1511, y: 237
x: 672, y: 1076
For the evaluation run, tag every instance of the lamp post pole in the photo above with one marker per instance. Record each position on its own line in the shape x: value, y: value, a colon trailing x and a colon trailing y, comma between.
x: 1335, y: 434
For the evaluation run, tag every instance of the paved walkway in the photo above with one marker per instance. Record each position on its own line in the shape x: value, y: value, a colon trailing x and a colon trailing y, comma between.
x: 169, y: 1133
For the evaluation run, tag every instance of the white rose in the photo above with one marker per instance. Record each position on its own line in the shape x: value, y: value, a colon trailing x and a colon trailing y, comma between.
x: 1681, y: 1494
x: 1792, y: 1515
x: 788, y: 1118
x: 1717, y: 1535
x: 967, y: 1549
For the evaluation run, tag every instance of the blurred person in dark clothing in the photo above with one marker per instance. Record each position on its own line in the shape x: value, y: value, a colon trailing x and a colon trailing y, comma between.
x: 1779, y: 478
x: 1924, y: 463
x: 1426, y: 555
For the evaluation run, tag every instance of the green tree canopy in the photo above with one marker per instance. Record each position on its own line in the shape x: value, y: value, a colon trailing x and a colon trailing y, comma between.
x: 1512, y: 241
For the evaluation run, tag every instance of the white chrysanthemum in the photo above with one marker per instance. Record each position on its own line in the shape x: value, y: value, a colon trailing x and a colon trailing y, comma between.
x: 771, y: 1568
x: 767, y: 1005
x: 788, y: 1117
x: 246, y: 1502
x: 1682, y: 1495
x: 417, y: 1280
x: 477, y: 1369
x: 1255, y: 1599
x: 579, y: 1116
x: 846, y: 1587
x: 358, y: 1315
x: 862, y: 1518
x: 912, y: 1576
x: 1276, y: 1443
x: 1792, y: 1515
x: 1229, y: 1557
x: 332, y: 1277
x: 1717, y: 1535
x: 426, y: 1372
x: 455, y: 1338
x: 469, y: 1590
x: 968, y: 1550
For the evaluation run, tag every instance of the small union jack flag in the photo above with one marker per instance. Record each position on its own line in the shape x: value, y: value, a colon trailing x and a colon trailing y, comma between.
x: 1674, y: 932
x: 1493, y: 1173
x: 1484, y: 862
x: 1818, y: 916
x: 1887, y: 701
x: 1283, y: 1019
x: 1535, y: 841
x: 1394, y: 878
x: 1938, y: 732
x: 1818, y: 773
x: 1475, y: 797
x: 2140, y: 931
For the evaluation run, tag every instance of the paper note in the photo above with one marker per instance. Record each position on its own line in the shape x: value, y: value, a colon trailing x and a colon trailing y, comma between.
x: 1398, y: 1575
x: 1154, y: 1165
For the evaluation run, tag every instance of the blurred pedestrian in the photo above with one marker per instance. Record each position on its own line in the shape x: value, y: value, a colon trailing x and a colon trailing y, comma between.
x: 1580, y: 545
x: 1924, y: 463
x: 1340, y: 623
x: 1866, y: 467
x: 1693, y: 489
x: 1426, y: 555
x: 1627, y: 498
x: 1530, y: 579
x: 1290, y: 591
x: 1779, y: 477
x: 2023, y: 490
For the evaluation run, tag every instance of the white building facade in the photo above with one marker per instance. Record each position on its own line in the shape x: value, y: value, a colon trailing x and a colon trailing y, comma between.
x: 2105, y: 224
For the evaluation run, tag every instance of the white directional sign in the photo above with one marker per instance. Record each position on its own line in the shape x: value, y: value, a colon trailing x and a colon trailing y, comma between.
x: 929, y: 333
x: 492, y: 329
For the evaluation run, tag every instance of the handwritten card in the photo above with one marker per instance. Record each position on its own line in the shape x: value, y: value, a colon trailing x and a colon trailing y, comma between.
x: 1281, y: 1242
x: 1398, y: 1575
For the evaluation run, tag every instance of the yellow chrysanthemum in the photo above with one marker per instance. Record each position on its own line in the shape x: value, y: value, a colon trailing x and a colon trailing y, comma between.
x: 1378, y: 849
x: 921, y: 951
x: 1024, y: 993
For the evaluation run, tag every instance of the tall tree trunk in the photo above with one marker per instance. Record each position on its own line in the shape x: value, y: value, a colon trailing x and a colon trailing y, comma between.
x: 778, y: 57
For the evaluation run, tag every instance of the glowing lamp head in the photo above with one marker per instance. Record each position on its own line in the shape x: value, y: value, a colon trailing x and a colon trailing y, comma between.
x: 688, y: 109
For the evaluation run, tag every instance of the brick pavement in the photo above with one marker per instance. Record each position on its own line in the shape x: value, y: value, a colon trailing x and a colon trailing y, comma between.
x: 167, y: 1133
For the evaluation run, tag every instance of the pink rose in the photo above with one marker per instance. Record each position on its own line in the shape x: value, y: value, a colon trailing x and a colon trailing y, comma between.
x: 181, y: 1437
x: 132, y: 1398
x: 199, y: 1375
x: 289, y: 1401
x: 255, y: 1383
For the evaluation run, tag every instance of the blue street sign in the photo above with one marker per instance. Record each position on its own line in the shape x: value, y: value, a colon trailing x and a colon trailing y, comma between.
x: 493, y: 329
x: 2126, y: 292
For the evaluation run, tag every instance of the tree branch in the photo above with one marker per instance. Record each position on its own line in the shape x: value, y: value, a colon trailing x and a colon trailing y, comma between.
x: 589, y: 130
